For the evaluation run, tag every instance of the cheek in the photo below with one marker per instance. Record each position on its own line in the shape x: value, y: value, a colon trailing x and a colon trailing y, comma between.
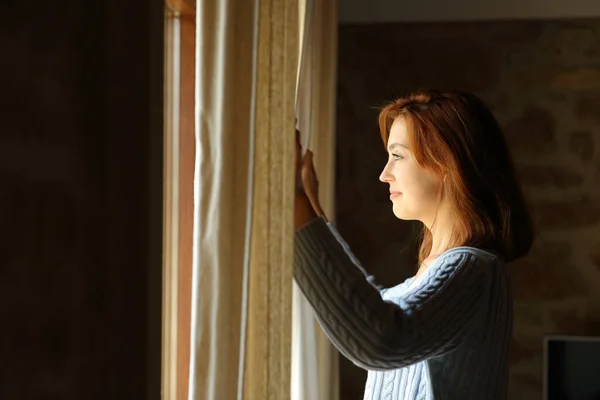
x: 422, y: 185
x: 431, y: 186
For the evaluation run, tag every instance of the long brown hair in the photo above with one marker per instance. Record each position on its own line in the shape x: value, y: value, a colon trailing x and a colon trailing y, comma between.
x: 454, y: 134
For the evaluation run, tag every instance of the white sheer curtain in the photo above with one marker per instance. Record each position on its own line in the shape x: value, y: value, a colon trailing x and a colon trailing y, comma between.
x: 246, y: 74
x: 246, y: 65
x: 314, y: 359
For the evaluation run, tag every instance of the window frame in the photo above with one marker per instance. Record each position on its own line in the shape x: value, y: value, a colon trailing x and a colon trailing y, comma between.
x: 178, y: 174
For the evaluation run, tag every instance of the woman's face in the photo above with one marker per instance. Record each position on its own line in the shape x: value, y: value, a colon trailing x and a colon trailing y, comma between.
x: 413, y: 189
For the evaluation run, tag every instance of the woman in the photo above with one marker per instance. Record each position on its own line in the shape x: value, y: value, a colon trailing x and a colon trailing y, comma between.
x: 444, y: 333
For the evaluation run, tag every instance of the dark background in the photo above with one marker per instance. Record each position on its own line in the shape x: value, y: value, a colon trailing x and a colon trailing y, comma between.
x: 80, y: 204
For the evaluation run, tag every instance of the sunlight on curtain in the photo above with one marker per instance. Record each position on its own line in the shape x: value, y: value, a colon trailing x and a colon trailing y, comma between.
x: 246, y: 65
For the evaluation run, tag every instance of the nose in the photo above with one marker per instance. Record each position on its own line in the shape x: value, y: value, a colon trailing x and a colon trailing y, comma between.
x: 386, y: 176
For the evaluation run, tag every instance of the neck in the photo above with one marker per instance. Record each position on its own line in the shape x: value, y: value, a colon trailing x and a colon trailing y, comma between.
x: 441, y: 227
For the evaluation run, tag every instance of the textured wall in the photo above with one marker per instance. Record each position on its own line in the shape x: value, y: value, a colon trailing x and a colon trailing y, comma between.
x: 381, y: 11
x: 542, y: 80
x: 79, y: 248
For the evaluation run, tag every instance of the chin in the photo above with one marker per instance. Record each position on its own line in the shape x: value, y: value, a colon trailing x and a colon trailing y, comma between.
x: 403, y: 214
x: 404, y: 217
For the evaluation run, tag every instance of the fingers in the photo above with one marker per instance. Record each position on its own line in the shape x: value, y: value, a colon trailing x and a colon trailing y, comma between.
x: 308, y: 172
x: 308, y: 157
x: 307, y: 161
x: 310, y: 182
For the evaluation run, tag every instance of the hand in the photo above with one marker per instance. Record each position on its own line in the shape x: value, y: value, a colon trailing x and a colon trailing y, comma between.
x: 306, y: 177
x: 303, y: 210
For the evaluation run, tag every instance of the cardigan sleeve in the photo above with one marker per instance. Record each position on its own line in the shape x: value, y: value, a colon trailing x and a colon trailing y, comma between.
x: 380, y: 335
x: 351, y: 256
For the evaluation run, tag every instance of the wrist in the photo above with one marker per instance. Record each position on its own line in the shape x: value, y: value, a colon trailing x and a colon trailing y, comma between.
x: 303, y: 210
x: 312, y: 200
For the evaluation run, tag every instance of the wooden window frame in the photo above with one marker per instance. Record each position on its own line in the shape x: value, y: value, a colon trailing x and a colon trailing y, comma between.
x: 179, y: 159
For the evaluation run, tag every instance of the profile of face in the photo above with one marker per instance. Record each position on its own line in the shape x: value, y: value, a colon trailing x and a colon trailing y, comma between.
x: 413, y: 189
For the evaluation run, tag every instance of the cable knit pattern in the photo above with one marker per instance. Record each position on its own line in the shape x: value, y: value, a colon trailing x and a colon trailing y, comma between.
x: 445, y: 337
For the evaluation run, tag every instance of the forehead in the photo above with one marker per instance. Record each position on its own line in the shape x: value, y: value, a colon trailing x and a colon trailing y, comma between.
x: 398, y: 131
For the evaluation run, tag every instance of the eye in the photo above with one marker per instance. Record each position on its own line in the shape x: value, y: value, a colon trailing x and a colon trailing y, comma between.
x: 397, y: 156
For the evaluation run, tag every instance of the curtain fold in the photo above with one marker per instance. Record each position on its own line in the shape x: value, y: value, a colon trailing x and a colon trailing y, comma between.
x: 246, y: 63
x: 314, y: 360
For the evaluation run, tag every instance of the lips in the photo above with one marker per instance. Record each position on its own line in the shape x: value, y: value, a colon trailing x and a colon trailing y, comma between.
x: 394, y: 195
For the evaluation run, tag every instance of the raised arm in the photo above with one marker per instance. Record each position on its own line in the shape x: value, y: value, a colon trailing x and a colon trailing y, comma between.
x: 377, y: 334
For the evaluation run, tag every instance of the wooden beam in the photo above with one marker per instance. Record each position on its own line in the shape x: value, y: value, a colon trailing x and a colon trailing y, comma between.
x: 187, y: 158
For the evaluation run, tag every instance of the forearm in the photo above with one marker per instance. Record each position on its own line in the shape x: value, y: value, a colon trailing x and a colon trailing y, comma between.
x: 341, y: 296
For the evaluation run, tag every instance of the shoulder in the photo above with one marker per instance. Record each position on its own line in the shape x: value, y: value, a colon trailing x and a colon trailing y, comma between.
x: 463, y: 261
x: 459, y: 264
x: 467, y: 253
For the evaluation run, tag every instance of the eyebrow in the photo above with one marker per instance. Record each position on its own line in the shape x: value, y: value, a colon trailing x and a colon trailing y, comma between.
x: 396, y: 144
